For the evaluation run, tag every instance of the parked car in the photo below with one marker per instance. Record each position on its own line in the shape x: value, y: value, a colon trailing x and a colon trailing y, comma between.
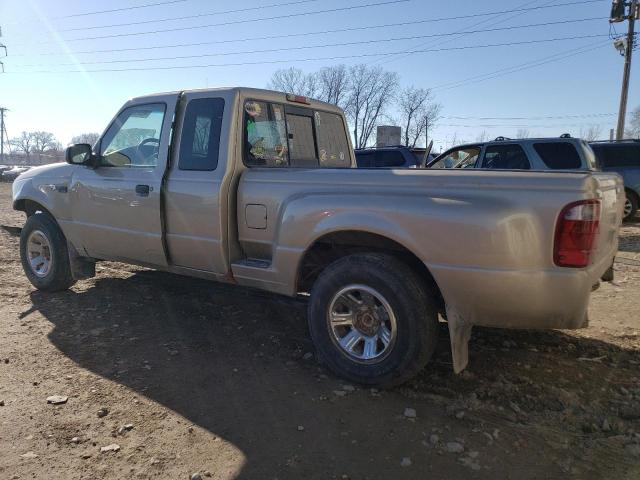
x: 258, y: 188
x: 391, y: 157
x: 622, y: 157
x: 563, y: 153
x: 12, y: 173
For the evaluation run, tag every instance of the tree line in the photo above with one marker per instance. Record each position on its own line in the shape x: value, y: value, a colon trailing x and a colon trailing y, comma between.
x: 41, y: 143
x: 369, y: 95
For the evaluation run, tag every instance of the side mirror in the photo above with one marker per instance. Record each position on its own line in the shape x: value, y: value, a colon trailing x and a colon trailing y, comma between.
x: 79, y: 154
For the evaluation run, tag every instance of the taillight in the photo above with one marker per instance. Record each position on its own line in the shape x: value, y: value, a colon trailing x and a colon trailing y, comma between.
x: 297, y: 98
x: 576, y: 231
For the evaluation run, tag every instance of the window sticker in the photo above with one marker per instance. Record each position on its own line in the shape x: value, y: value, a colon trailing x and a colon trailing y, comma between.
x: 253, y: 109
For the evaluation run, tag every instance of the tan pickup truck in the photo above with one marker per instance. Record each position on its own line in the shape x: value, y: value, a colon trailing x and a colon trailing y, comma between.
x: 260, y: 188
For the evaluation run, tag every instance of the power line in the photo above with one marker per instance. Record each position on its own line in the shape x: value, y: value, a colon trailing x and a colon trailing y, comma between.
x: 236, y: 22
x: 188, y: 17
x: 304, y: 47
x: 461, y: 32
x: 517, y: 68
x: 525, y: 125
x: 549, y: 117
x: 113, y: 10
x: 339, y: 57
x: 304, y: 34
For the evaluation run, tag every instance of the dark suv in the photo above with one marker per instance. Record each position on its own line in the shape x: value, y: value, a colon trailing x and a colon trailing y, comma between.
x: 391, y: 157
x: 622, y: 157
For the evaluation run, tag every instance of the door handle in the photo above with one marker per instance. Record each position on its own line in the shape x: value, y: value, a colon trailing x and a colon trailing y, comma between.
x: 143, y: 190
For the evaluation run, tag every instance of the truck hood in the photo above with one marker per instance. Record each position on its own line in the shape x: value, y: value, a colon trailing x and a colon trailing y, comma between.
x: 53, y: 170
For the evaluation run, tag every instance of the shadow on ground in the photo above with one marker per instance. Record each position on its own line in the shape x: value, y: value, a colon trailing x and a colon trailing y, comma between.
x: 229, y: 360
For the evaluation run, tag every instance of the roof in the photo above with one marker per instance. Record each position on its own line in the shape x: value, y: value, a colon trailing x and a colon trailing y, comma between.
x: 269, y: 95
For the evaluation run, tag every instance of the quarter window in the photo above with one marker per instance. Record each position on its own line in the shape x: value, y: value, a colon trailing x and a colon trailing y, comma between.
x: 133, y: 139
x: 558, y: 155
x: 200, y: 139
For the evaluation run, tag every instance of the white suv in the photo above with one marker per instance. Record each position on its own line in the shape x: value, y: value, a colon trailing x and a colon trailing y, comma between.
x: 564, y: 153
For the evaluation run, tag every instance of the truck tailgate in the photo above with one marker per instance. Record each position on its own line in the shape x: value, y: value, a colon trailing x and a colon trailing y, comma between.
x: 609, y: 188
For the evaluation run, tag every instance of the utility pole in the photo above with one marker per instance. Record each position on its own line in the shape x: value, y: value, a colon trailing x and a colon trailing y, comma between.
x: 625, y: 47
x: 3, y: 132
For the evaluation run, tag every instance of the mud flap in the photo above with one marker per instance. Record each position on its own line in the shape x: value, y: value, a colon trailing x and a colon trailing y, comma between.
x: 81, y: 267
x: 459, y: 334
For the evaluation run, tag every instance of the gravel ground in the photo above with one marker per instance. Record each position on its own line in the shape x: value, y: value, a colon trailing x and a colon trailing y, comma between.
x: 178, y: 376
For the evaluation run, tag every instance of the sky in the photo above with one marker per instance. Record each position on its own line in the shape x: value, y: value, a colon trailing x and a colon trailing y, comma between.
x: 533, y: 78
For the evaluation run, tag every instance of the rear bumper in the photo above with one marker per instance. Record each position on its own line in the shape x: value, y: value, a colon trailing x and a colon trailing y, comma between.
x: 557, y: 298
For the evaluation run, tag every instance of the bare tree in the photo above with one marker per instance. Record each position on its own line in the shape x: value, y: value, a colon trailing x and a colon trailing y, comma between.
x: 90, y: 138
x: 591, y: 133
x: 43, y: 141
x: 522, y: 133
x: 293, y: 80
x: 23, y: 143
x: 418, y: 111
x: 371, y: 91
x: 333, y: 85
x: 633, y: 131
x: 483, y: 136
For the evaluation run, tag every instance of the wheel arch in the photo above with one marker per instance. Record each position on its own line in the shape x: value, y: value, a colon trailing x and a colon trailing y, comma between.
x: 334, y: 245
x: 30, y: 207
x: 634, y: 194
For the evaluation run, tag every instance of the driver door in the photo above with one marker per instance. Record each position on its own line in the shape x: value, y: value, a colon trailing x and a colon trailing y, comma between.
x: 116, y: 207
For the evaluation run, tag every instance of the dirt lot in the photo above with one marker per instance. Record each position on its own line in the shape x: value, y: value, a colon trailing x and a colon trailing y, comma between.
x: 222, y: 381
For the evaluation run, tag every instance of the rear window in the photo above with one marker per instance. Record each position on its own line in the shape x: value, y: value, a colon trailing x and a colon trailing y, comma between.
x: 333, y: 147
x: 278, y: 135
x: 389, y: 158
x: 618, y: 155
x: 558, y: 155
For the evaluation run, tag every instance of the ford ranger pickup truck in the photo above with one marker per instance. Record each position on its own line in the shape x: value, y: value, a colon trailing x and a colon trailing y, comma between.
x: 259, y: 188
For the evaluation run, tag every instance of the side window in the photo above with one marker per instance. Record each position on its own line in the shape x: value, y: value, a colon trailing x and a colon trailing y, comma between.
x: 265, y: 135
x: 200, y: 139
x: 302, y: 146
x: 618, y: 155
x: 389, y: 158
x: 558, y: 155
x: 459, y: 158
x: 506, y: 157
x: 133, y: 139
x: 333, y: 148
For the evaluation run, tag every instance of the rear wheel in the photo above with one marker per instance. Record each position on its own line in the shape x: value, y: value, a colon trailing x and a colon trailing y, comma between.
x: 630, y: 206
x: 372, y: 320
x: 44, y: 254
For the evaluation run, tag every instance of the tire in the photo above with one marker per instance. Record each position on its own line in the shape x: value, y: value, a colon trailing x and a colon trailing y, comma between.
x: 41, y: 234
x: 392, y: 285
x: 631, y: 208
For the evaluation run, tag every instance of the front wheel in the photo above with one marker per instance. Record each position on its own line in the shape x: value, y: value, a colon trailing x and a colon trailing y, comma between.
x: 44, y: 254
x: 372, y: 320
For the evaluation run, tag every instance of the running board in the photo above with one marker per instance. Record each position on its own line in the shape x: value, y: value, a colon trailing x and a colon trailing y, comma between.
x: 253, y: 263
